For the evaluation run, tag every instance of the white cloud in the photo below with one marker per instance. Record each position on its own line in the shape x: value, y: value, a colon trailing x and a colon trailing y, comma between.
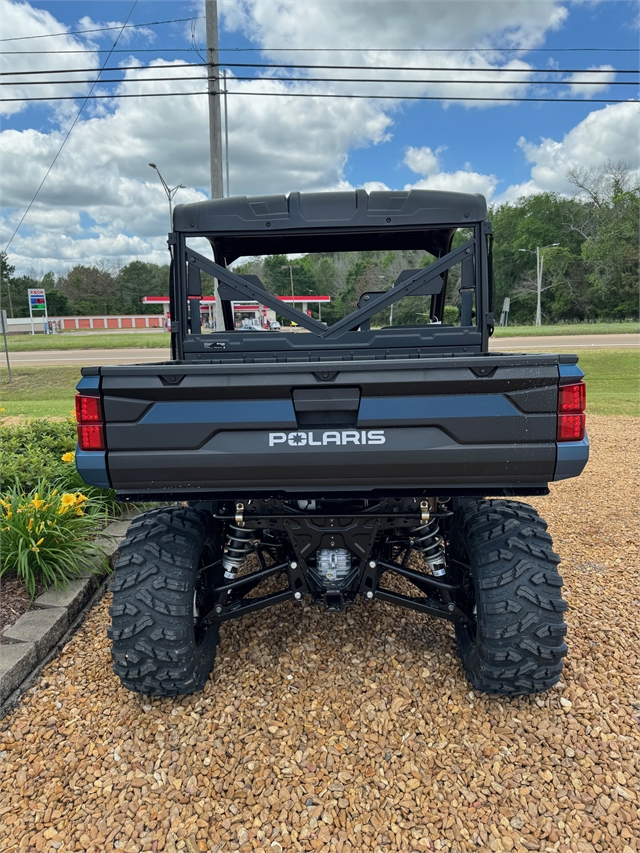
x: 607, y: 134
x: 426, y: 162
x: 102, y: 198
x: 586, y: 84
x: 21, y: 19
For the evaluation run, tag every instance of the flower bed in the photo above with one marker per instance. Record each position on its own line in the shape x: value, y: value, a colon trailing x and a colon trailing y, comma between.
x: 48, y: 516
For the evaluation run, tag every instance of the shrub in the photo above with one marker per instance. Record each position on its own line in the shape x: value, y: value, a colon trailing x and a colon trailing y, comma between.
x: 41, y: 450
x: 45, y: 536
x: 32, y: 451
x: 451, y: 314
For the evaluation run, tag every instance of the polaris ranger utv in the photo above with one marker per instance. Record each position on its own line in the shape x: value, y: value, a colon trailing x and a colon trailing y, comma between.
x: 349, y: 461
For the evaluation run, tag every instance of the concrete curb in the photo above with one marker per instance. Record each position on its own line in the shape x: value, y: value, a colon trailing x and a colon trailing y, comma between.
x: 38, y: 635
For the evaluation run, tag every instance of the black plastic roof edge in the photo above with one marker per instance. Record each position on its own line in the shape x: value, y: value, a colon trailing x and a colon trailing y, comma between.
x: 344, y: 209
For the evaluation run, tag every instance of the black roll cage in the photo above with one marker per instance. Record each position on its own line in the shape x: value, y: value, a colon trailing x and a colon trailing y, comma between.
x: 474, y: 255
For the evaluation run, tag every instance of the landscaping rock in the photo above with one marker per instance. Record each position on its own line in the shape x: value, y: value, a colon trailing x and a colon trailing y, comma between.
x: 76, y: 594
x: 16, y: 662
x: 43, y: 628
x: 355, y: 732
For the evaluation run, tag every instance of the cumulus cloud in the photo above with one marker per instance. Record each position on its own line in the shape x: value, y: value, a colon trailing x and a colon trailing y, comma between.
x: 21, y: 19
x: 586, y: 84
x: 607, y: 134
x: 103, y: 201
x: 426, y: 162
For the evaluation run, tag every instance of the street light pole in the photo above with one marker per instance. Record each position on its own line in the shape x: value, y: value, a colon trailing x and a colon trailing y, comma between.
x: 539, y: 265
x: 170, y: 193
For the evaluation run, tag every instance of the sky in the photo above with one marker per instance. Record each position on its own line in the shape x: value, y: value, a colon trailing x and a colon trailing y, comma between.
x: 101, y: 203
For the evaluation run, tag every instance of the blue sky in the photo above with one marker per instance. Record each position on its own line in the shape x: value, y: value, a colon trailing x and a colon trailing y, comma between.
x: 102, y: 203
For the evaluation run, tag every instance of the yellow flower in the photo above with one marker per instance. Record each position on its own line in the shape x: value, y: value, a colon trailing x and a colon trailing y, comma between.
x: 34, y: 548
x: 40, y: 527
x: 79, y: 512
x: 80, y: 498
x: 68, y: 499
x: 9, y: 514
x: 54, y: 492
x: 30, y: 525
x: 36, y: 502
x: 62, y: 510
x: 5, y: 504
x: 68, y: 457
x: 40, y: 541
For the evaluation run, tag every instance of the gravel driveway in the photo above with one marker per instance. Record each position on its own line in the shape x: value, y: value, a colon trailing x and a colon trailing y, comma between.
x: 355, y: 732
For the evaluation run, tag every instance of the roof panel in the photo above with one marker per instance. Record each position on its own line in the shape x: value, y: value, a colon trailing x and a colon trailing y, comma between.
x: 353, y: 208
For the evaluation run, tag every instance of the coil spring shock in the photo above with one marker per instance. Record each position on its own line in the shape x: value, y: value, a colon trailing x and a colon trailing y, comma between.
x: 236, y: 548
x: 428, y: 542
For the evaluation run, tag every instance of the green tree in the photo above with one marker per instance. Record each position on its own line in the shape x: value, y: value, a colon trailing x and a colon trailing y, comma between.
x: 90, y: 290
x: 136, y: 280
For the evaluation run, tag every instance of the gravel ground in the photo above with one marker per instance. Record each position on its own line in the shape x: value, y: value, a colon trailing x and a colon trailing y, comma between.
x: 355, y: 732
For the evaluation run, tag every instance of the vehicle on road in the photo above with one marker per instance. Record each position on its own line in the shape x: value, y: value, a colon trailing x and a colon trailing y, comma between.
x: 361, y: 460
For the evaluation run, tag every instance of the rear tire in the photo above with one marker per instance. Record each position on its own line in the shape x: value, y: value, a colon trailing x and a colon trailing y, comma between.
x: 515, y: 645
x: 168, y: 560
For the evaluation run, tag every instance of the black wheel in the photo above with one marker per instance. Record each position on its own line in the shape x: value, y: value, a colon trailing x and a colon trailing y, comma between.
x: 502, y: 556
x: 167, y: 565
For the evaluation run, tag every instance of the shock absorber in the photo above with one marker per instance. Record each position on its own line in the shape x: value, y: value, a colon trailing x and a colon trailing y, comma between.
x: 428, y: 542
x: 236, y: 548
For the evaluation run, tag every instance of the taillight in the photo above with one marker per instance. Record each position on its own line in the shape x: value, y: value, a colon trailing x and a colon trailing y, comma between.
x: 88, y: 409
x: 572, y: 400
x: 90, y: 425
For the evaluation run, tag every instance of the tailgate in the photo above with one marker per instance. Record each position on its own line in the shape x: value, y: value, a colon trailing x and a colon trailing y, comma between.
x: 435, y: 424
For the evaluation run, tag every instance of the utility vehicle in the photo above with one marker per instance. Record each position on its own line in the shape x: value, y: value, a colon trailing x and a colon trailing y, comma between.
x: 354, y: 460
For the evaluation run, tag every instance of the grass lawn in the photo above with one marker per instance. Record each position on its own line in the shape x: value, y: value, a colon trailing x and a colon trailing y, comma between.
x: 39, y: 391
x: 613, y: 386
x: 69, y: 340
x: 613, y: 381
x: 569, y: 329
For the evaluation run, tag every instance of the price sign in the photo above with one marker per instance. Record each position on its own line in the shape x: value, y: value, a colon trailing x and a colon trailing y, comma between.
x: 37, y: 299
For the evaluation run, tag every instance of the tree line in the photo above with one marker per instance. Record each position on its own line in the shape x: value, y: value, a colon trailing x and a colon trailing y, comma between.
x: 590, y: 272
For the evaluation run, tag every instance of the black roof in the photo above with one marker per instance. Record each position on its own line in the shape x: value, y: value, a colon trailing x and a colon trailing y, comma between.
x: 345, y: 209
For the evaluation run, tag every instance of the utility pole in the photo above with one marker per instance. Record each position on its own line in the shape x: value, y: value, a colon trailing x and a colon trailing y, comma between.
x: 539, y: 262
x: 539, y: 265
x: 215, y: 124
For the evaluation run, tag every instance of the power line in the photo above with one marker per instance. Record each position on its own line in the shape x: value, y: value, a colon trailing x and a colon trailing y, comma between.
x: 101, y: 29
x: 327, y: 80
x: 64, y: 141
x: 431, y: 68
x: 334, y: 95
x: 436, y: 68
x: 332, y: 50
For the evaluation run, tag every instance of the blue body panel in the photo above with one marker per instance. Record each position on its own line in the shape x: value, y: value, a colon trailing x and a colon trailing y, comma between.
x: 88, y: 383
x: 570, y: 371
x: 221, y: 412
x: 572, y: 458
x: 92, y: 467
x: 381, y: 409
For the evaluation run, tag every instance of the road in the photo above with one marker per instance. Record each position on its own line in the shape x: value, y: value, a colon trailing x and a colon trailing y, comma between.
x: 136, y: 355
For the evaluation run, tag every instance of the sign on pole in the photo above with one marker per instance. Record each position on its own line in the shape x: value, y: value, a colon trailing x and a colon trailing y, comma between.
x: 37, y: 302
x: 3, y: 323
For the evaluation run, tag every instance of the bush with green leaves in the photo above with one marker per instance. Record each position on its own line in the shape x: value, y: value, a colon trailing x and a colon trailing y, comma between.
x: 43, y: 450
x: 46, y: 536
x: 32, y: 451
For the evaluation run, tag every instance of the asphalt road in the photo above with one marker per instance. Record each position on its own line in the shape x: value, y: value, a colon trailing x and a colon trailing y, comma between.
x: 135, y: 355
